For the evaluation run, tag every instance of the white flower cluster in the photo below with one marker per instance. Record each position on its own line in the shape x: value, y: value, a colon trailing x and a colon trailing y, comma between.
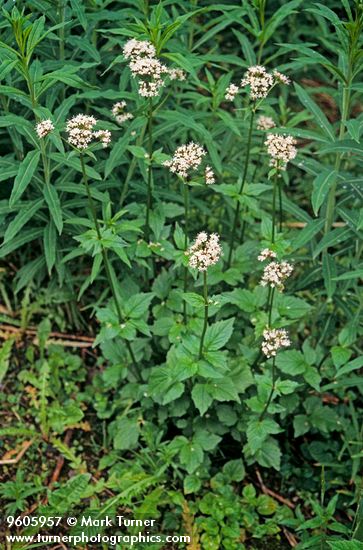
x: 209, y: 175
x: 148, y: 68
x: 266, y: 254
x: 177, y: 74
x: 80, y: 132
x: 205, y: 251
x: 44, y: 128
x: 104, y: 136
x: 259, y: 81
x: 231, y: 92
x: 118, y: 111
x: 281, y: 78
x: 275, y: 274
x: 186, y: 159
x: 265, y: 123
x: 281, y: 149
x: 274, y: 339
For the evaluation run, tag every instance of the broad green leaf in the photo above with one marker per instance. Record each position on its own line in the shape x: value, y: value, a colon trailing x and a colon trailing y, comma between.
x: 24, y: 176
x: 218, y: 334
x: 201, y: 398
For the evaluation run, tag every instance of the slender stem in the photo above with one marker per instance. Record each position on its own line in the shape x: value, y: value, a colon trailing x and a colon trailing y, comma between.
x: 105, y: 257
x: 262, y: 416
x: 280, y: 204
x: 236, y: 215
x: 132, y: 167
x: 270, y: 301
x: 186, y: 234
x: 149, y: 170
x: 275, y: 184
x: 205, y: 325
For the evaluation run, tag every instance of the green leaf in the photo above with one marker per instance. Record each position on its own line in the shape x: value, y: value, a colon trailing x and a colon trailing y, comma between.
x: 20, y: 240
x: 191, y: 484
x: 50, y: 245
x: 138, y: 304
x: 193, y: 299
x: 24, y: 176
x: 201, y: 398
x: 337, y: 236
x: 127, y: 433
x: 329, y: 272
x: 224, y: 390
x: 218, y: 334
x: 234, y: 470
x: 5, y: 354
x: 25, y: 213
x: 321, y: 186
x: 291, y: 362
x: 54, y: 205
x: 315, y: 110
x: 259, y: 430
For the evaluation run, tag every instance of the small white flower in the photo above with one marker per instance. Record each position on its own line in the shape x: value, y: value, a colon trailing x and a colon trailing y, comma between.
x: 44, y: 128
x: 80, y: 130
x: 281, y: 149
x: 118, y: 111
x: 259, y: 81
x: 265, y: 254
x: 205, y: 251
x: 138, y: 48
x: 265, y: 123
x: 231, y: 92
x: 274, y: 340
x: 177, y: 74
x: 281, y: 78
x: 186, y: 159
x: 104, y: 136
x: 209, y: 175
x: 275, y: 274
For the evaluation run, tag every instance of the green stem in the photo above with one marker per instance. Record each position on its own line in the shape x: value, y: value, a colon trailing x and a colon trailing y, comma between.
x: 270, y: 302
x: 132, y: 167
x: 236, y: 215
x: 105, y: 257
x: 149, y: 171
x: 205, y: 325
x: 186, y: 233
x: 279, y: 185
x: 275, y: 184
x: 262, y: 416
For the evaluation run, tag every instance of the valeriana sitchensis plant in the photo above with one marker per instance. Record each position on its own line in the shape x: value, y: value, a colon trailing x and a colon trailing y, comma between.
x: 185, y: 162
x: 203, y: 253
x: 151, y: 74
x: 81, y: 134
x: 274, y: 276
x: 281, y: 149
x: 259, y: 83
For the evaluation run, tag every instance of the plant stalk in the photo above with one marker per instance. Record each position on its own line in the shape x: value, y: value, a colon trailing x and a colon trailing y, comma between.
x: 105, y: 258
x: 205, y: 325
x: 262, y: 416
x: 186, y: 234
x: 149, y: 171
x: 238, y: 207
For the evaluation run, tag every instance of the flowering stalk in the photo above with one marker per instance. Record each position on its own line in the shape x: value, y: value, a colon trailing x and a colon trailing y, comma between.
x: 186, y: 231
x: 104, y: 256
x: 236, y: 215
x: 205, y: 324
x: 273, y: 373
x: 149, y: 170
